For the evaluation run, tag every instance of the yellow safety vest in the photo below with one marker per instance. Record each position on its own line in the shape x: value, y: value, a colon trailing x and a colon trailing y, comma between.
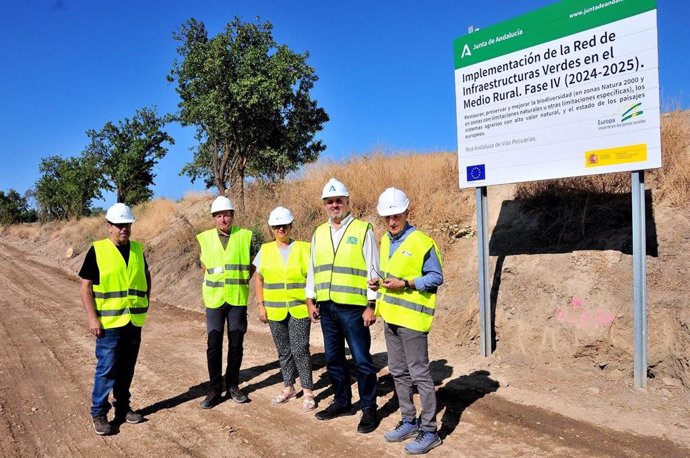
x: 341, y: 277
x: 226, y: 278
x: 120, y: 296
x: 406, y: 307
x: 284, y: 283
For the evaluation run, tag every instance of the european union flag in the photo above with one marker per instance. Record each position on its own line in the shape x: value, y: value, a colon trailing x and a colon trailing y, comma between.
x: 476, y: 172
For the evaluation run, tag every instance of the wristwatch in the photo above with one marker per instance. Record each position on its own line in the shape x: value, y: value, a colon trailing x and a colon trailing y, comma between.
x: 407, y: 284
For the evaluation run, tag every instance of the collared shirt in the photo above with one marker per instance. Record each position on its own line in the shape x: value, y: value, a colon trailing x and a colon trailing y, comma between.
x: 432, y: 273
x: 225, y: 237
x: 369, y: 250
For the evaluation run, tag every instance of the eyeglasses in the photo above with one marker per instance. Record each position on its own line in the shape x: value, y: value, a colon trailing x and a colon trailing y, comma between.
x: 376, y: 272
x: 281, y: 226
x: 121, y: 225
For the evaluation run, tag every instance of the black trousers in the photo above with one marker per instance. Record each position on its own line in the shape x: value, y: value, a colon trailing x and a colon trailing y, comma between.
x: 236, y: 319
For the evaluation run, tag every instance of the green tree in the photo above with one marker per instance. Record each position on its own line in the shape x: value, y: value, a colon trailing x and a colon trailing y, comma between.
x: 128, y: 152
x: 249, y: 99
x: 14, y: 208
x: 67, y: 186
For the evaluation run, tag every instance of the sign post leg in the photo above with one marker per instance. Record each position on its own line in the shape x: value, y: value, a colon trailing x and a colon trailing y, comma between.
x: 639, y: 279
x: 485, y: 324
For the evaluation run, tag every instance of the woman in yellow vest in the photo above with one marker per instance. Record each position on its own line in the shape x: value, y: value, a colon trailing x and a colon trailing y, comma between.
x: 411, y: 273
x: 282, y: 266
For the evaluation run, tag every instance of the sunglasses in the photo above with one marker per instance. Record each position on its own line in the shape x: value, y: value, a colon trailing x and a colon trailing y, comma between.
x: 121, y: 225
x: 281, y: 226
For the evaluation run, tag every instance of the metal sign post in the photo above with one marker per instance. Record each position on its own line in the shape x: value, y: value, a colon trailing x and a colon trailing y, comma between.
x: 639, y: 279
x: 485, y: 324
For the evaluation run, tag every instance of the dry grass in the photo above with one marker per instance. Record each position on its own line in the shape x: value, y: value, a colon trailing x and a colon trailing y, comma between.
x: 21, y: 231
x: 672, y: 181
x: 429, y: 180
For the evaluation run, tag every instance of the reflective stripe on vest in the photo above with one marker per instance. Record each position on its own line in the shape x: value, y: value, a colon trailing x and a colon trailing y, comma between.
x: 120, y: 296
x: 406, y: 307
x: 341, y: 276
x: 227, y: 269
x: 284, y: 283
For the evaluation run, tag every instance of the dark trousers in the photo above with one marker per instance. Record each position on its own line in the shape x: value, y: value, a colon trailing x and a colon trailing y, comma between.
x: 236, y: 319
x: 340, y: 324
x: 116, y: 353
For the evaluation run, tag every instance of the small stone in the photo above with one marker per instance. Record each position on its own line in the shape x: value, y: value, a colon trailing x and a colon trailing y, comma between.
x: 593, y: 390
x: 665, y: 393
x: 34, y: 409
x: 69, y: 252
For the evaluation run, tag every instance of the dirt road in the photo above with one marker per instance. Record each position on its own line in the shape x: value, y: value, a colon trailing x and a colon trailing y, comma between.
x: 46, y: 370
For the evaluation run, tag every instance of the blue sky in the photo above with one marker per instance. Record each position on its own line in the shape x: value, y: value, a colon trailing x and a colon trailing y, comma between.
x: 385, y: 71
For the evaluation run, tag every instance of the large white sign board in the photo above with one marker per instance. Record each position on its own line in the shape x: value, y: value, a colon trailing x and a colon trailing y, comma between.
x: 568, y: 90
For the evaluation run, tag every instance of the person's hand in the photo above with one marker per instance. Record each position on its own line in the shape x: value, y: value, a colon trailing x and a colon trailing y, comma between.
x: 393, y: 283
x: 369, y: 317
x: 262, y: 314
x: 95, y: 327
x: 373, y: 284
x: 313, y: 310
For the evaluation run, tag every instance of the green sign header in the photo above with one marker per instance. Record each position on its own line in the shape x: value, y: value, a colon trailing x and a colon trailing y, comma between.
x: 546, y: 24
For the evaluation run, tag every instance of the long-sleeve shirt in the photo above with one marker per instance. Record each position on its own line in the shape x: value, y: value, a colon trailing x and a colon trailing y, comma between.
x: 432, y: 272
x: 369, y: 250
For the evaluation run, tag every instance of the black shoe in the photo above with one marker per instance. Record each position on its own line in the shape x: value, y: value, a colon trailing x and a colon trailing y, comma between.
x: 237, y: 395
x: 129, y: 417
x: 101, y: 425
x: 334, y: 411
x: 212, y: 399
x: 369, y: 421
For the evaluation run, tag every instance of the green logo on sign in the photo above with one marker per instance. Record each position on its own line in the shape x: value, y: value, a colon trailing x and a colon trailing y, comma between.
x: 631, y: 112
x: 352, y: 240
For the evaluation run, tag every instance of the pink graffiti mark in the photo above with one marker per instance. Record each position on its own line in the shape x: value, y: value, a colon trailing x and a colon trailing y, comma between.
x: 575, y: 302
x: 604, y: 318
x: 583, y: 318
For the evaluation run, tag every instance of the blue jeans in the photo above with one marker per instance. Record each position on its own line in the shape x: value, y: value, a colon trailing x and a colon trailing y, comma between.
x: 341, y: 323
x: 116, y: 354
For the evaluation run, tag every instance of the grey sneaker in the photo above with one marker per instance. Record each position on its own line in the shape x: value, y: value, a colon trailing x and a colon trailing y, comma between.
x: 403, y: 430
x: 130, y: 417
x: 237, y: 395
x: 425, y: 441
x: 101, y: 425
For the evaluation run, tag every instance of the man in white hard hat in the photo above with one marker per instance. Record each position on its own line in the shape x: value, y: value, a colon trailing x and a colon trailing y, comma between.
x: 226, y: 253
x: 411, y: 273
x: 115, y: 290
x: 344, y: 257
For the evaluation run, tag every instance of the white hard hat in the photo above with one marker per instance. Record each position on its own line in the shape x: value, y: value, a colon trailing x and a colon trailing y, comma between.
x: 120, y: 214
x: 221, y: 203
x: 280, y: 215
x: 334, y: 188
x: 392, y: 201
